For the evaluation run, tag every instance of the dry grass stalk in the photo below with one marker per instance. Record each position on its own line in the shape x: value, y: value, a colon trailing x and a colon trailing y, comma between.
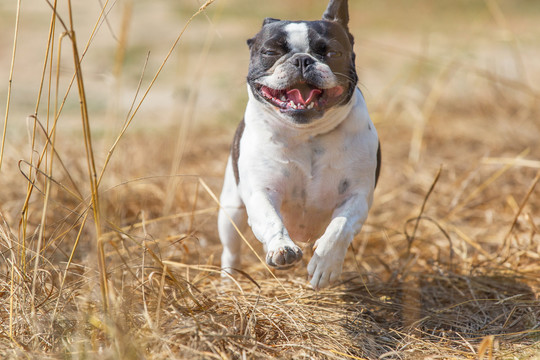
x: 10, y: 82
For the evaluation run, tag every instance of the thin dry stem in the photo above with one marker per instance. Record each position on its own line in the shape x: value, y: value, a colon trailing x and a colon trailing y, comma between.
x: 10, y: 82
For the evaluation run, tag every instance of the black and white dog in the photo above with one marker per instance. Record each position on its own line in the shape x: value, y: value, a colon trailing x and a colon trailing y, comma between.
x: 305, y: 159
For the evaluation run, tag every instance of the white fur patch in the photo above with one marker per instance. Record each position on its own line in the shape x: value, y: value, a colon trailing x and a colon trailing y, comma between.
x: 297, y: 37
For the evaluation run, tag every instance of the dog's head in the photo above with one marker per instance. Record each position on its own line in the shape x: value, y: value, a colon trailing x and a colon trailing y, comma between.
x: 300, y: 69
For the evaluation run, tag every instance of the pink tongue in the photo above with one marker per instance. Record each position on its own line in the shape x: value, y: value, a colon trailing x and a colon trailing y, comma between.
x: 296, y: 96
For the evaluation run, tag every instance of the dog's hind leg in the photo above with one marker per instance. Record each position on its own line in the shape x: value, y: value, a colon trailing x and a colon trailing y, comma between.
x: 232, y: 210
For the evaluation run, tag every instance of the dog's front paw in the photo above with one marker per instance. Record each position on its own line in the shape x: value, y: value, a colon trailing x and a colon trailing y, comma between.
x: 324, y: 271
x: 283, y: 256
x: 326, y: 265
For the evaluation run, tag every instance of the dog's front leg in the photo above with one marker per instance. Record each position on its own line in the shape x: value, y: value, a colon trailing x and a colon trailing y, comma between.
x: 326, y: 264
x: 267, y: 225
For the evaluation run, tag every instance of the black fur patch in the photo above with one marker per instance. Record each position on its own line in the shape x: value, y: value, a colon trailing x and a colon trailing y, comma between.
x: 343, y: 186
x: 235, y: 149
x: 378, y: 170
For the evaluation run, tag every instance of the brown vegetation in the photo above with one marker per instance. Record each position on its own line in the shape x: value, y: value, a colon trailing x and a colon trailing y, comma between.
x: 108, y: 242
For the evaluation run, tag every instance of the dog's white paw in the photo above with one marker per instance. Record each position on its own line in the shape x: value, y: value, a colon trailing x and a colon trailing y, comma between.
x: 326, y: 264
x: 324, y: 271
x: 282, y: 254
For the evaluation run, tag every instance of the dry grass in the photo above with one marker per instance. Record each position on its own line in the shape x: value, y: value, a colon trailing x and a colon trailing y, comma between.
x: 108, y: 243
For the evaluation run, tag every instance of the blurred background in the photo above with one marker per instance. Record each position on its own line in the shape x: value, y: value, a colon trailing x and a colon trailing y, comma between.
x: 481, y: 53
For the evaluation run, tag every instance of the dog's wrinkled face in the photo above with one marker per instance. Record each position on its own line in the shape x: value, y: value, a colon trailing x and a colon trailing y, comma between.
x: 302, y: 68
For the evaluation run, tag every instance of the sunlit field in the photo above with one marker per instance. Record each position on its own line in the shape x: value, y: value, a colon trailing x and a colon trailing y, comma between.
x: 117, y: 118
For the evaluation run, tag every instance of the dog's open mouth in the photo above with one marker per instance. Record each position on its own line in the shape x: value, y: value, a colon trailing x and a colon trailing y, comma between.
x: 301, y: 96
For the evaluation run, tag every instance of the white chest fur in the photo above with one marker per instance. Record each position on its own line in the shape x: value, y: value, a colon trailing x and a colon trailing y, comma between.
x: 311, y: 172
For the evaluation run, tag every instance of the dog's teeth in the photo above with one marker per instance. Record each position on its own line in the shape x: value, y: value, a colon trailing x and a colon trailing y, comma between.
x: 310, y: 106
x: 283, y: 98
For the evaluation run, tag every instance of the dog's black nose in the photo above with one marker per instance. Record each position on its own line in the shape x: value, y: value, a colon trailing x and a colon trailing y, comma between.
x: 303, y: 62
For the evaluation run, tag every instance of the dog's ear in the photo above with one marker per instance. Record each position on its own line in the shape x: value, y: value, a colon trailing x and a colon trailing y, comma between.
x: 266, y: 21
x: 269, y: 20
x: 338, y: 11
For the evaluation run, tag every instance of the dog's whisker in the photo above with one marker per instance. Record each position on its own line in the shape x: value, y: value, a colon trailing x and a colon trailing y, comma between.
x: 345, y: 76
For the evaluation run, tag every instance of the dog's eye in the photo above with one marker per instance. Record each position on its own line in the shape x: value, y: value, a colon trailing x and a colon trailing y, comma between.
x: 333, y: 54
x: 270, y: 52
x: 320, y: 48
